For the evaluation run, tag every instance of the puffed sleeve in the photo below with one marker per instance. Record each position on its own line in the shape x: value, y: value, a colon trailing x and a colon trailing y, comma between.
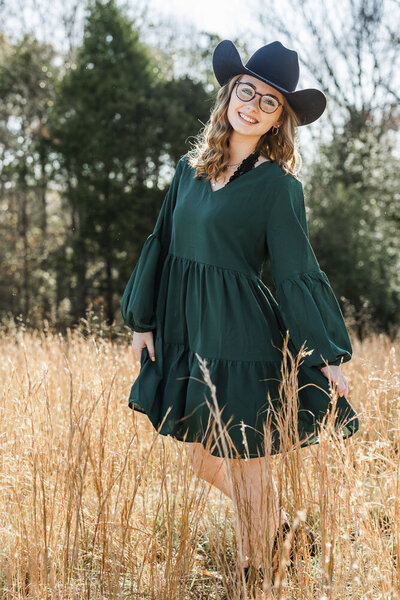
x: 307, y: 304
x: 139, y: 296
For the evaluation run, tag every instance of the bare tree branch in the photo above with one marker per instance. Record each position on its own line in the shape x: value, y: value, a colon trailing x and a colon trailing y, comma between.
x: 351, y: 50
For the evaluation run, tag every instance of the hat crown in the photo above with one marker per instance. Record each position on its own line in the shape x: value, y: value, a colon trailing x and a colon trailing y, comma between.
x: 276, y: 63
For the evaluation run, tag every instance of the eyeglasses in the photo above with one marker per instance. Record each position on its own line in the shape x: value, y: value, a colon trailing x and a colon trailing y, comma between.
x: 246, y: 92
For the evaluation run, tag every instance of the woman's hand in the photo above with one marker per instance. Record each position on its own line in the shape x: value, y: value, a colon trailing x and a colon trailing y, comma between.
x: 141, y: 340
x: 333, y: 373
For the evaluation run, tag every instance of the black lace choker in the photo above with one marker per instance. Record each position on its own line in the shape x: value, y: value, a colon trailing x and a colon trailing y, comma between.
x: 246, y: 165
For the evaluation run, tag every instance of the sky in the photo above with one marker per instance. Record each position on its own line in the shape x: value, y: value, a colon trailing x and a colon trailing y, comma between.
x: 225, y: 17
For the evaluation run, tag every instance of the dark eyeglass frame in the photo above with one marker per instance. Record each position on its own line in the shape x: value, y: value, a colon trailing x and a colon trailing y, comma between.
x: 261, y: 96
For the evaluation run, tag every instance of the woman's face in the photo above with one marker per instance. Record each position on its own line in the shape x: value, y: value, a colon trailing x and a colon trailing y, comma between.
x: 251, y: 109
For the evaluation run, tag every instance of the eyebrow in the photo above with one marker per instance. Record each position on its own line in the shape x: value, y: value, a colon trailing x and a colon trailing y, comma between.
x: 253, y: 86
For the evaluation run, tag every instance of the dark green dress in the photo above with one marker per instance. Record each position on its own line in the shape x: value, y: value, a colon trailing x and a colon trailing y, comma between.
x: 197, y: 286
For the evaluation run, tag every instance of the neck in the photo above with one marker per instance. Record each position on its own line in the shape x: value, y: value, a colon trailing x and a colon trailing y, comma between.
x: 240, y: 146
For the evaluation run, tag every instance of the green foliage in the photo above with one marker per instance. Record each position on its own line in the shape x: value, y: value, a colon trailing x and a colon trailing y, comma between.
x: 27, y: 89
x: 353, y: 224
x: 101, y: 99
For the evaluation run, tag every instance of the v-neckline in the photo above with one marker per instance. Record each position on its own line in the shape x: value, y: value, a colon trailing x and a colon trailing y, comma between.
x: 265, y: 162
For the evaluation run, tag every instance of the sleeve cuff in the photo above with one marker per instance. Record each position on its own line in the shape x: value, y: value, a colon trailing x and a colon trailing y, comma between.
x: 311, y: 313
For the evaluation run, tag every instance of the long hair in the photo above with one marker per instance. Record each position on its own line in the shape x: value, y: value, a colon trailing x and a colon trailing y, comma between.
x: 210, y: 152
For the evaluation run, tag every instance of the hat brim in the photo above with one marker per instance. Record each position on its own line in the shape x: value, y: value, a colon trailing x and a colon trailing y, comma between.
x: 308, y: 104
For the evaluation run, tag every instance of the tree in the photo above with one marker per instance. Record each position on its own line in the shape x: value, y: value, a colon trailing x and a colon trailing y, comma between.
x: 353, y: 206
x: 97, y: 128
x: 116, y: 123
x: 27, y: 81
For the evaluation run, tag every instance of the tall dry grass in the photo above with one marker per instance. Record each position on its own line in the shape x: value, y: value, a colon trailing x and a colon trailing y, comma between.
x: 94, y: 504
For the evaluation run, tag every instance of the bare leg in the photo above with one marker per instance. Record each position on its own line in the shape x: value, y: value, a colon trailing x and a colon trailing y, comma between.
x: 210, y: 468
x: 258, y: 506
x: 255, y: 493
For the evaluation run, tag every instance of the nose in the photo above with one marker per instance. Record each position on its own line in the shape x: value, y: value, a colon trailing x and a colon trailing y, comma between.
x: 254, y: 102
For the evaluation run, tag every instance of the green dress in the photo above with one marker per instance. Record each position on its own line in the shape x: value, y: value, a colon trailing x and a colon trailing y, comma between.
x: 197, y: 285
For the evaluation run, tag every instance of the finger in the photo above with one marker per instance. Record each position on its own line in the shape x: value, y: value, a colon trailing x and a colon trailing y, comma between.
x: 134, y: 351
x: 337, y: 388
x: 150, y: 347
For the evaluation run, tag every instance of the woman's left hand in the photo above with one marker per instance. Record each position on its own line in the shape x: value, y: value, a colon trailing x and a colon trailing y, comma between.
x: 333, y: 373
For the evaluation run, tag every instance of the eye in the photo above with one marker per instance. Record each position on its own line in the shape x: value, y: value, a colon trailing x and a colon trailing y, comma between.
x: 244, y: 90
x: 247, y: 90
x: 269, y: 101
x: 269, y: 104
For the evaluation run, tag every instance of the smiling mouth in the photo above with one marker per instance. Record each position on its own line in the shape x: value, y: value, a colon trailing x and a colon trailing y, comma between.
x: 247, y: 119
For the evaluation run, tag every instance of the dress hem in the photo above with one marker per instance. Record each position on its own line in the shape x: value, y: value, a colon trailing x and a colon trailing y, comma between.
x: 346, y: 432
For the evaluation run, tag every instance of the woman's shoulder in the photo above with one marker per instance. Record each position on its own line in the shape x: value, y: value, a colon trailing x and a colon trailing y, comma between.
x: 184, y: 169
x: 284, y: 192
x: 282, y: 184
x: 283, y: 178
x: 183, y: 161
x: 181, y: 166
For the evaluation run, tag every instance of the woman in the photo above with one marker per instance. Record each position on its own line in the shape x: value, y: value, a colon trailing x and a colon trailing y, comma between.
x: 196, y: 291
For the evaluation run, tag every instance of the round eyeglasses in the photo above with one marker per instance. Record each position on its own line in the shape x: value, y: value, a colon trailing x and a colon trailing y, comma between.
x: 246, y: 92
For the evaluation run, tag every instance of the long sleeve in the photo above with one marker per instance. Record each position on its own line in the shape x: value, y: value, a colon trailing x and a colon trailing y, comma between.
x: 139, y: 297
x: 307, y: 304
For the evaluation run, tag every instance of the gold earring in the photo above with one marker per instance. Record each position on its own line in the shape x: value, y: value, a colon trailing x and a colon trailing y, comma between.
x: 276, y: 130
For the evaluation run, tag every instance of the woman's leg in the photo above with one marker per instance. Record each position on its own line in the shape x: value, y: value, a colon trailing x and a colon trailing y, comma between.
x: 258, y: 506
x: 254, y: 490
x: 208, y: 467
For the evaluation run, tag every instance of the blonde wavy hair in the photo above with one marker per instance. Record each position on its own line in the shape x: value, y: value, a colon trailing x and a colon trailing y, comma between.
x: 210, y: 152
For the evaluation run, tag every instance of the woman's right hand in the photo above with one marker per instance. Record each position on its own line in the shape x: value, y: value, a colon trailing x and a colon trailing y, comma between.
x: 142, y: 339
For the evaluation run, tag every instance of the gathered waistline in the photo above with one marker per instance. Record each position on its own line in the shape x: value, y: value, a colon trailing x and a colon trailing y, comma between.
x: 251, y: 276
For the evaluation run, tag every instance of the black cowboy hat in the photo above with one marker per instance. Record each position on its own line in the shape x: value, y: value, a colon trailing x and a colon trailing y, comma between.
x: 277, y: 65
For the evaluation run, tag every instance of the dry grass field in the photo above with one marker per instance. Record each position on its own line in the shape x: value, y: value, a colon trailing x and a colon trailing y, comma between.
x: 95, y: 505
